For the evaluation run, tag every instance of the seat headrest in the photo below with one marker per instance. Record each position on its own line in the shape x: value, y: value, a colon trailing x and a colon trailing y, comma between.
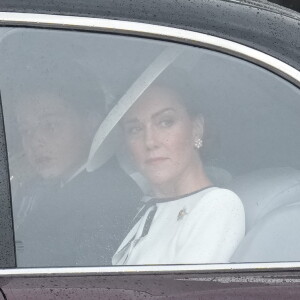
x: 264, y: 190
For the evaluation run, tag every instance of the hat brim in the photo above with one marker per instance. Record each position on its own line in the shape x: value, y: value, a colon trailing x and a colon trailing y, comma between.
x: 107, y: 137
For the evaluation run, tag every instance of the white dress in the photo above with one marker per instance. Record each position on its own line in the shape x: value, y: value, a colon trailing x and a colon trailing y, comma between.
x: 203, y: 227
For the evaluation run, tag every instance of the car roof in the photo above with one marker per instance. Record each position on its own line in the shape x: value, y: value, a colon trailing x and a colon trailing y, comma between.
x: 100, y: 8
x: 258, y: 24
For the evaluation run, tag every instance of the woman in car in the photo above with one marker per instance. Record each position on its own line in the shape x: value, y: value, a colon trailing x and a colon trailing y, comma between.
x: 187, y: 219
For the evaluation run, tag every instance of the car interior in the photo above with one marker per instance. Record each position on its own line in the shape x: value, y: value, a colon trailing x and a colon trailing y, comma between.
x: 251, y: 143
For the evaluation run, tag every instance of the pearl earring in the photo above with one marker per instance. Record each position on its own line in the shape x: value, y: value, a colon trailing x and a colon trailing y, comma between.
x: 198, y: 143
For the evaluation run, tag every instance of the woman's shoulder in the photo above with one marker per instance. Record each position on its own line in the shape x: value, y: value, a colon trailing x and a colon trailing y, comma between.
x: 223, y: 199
x: 221, y: 192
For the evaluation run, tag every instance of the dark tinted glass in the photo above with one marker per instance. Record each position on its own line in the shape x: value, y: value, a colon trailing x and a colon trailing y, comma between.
x: 100, y: 127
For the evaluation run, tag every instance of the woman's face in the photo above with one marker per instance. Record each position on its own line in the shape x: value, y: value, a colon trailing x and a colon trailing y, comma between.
x: 53, y: 135
x: 160, y: 135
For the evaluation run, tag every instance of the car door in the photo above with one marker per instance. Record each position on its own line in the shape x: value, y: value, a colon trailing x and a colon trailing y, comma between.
x: 64, y: 71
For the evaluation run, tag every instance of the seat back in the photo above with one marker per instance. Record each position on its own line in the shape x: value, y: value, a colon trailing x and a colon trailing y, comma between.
x: 274, y: 238
x: 264, y: 190
x: 271, y: 199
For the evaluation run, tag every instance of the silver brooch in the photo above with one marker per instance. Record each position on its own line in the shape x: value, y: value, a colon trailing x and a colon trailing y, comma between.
x: 181, y: 214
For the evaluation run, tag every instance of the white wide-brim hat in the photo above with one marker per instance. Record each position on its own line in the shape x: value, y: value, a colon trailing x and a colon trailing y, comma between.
x: 106, y: 140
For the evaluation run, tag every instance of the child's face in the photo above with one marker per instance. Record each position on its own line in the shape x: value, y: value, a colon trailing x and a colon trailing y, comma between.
x: 53, y: 135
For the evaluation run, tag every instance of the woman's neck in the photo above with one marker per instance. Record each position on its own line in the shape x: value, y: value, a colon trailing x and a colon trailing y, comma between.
x: 192, y: 179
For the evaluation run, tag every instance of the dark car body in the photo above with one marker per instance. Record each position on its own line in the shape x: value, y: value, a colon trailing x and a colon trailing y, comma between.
x: 259, y: 32
x: 290, y: 4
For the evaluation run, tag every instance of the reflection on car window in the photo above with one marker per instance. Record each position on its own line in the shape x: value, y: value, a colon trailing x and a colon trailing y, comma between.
x: 128, y: 151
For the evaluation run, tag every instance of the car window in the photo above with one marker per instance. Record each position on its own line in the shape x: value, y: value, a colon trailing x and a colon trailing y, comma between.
x: 131, y: 151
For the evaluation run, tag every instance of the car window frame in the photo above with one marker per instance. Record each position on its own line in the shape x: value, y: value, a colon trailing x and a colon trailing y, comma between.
x: 142, y: 30
x: 7, y: 245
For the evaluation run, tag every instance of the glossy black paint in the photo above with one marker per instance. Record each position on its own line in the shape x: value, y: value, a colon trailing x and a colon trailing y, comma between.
x: 259, y: 24
x: 292, y: 4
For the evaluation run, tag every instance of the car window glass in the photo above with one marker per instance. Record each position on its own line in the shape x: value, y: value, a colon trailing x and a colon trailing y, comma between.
x: 126, y: 150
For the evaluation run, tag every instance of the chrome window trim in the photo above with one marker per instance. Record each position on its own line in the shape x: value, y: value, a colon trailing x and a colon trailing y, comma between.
x: 153, y: 31
x: 153, y: 269
x: 168, y: 34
